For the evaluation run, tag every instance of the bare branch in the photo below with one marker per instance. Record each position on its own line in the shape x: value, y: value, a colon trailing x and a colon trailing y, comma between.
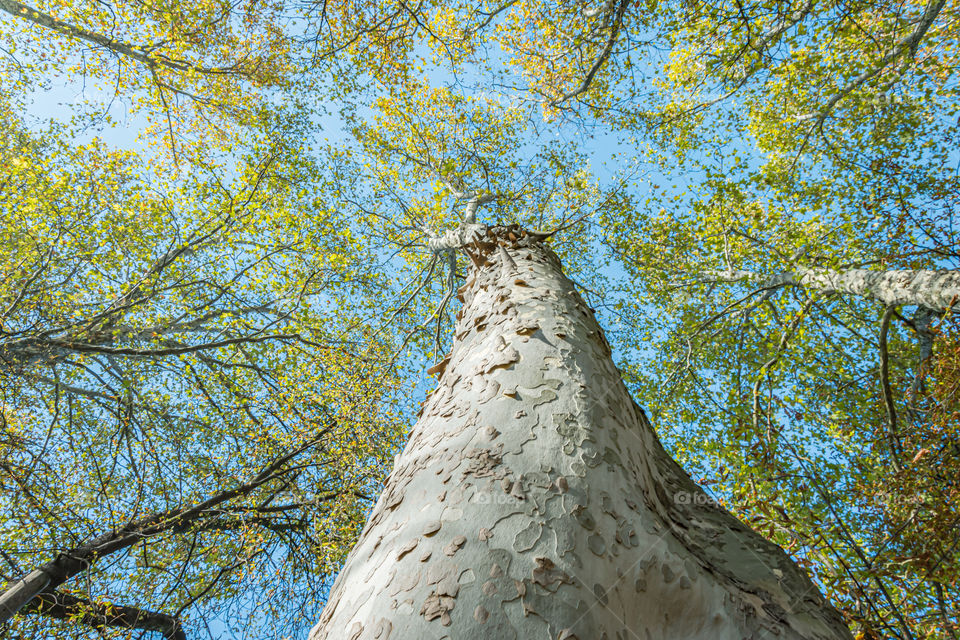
x: 51, y: 575
x: 614, y: 27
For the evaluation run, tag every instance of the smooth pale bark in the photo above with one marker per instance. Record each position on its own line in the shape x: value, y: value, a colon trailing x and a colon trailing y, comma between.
x: 937, y: 291
x: 534, y: 500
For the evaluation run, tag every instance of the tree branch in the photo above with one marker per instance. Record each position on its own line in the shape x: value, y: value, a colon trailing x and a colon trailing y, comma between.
x: 615, y: 27
x: 99, y: 615
x: 907, y: 45
x: 938, y: 291
x: 70, y: 563
x: 139, y: 54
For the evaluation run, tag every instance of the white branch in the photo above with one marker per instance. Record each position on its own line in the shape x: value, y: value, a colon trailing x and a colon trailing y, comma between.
x: 937, y: 291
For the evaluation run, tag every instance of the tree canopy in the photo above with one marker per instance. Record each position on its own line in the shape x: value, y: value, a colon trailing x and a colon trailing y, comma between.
x: 222, y: 247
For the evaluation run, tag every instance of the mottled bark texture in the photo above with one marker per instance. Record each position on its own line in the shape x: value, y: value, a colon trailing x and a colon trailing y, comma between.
x: 937, y: 291
x: 934, y: 290
x: 534, y: 500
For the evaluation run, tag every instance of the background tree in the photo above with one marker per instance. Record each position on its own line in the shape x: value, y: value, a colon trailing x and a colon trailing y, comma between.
x: 192, y: 415
x: 849, y: 167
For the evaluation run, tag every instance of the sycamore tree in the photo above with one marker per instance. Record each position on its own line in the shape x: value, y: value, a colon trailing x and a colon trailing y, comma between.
x: 792, y: 260
x: 770, y: 166
x: 532, y: 498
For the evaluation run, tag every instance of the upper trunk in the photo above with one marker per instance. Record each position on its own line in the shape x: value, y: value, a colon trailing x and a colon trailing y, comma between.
x: 534, y: 500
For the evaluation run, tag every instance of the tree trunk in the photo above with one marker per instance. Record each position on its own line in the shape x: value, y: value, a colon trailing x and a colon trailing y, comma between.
x: 534, y: 500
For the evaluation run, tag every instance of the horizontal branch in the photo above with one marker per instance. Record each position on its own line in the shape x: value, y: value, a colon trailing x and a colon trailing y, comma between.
x: 84, y: 347
x: 32, y: 349
x: 938, y: 291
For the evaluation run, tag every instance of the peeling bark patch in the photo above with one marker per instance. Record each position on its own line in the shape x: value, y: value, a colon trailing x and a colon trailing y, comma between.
x: 527, y: 537
x: 455, y: 545
x: 521, y: 588
x: 436, y: 606
x: 480, y: 614
x: 601, y: 594
x: 448, y: 587
x: 355, y: 631
x: 482, y: 463
x: 548, y: 576
x: 527, y: 328
x: 439, y: 570
x: 407, y: 548
x: 584, y: 518
x: 499, y: 360
x: 546, y: 396
x: 668, y: 574
x: 394, y: 500
x: 431, y: 527
x: 406, y: 582
x: 484, y: 534
x: 383, y: 629
x: 451, y: 514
